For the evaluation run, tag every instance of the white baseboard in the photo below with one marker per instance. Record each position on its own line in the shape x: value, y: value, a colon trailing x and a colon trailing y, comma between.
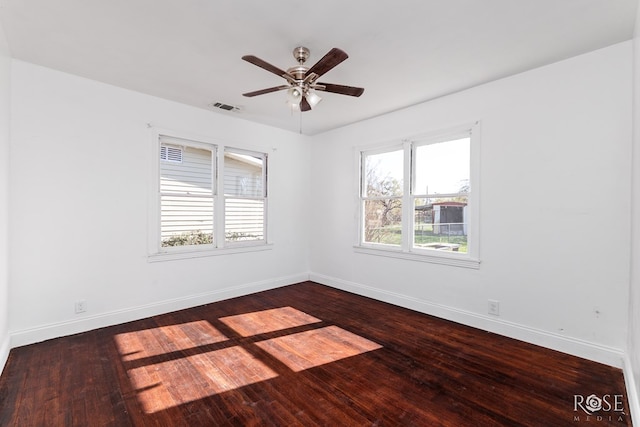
x: 54, y: 330
x: 4, y: 352
x: 596, y: 352
x: 632, y: 389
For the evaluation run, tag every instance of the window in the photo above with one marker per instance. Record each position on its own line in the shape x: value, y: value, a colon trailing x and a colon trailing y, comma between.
x: 440, y: 195
x: 186, y: 195
x: 383, y: 191
x: 209, y: 196
x: 416, y: 197
x: 244, y: 195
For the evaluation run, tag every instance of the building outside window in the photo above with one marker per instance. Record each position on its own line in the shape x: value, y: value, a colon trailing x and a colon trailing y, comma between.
x: 209, y: 195
x: 244, y: 195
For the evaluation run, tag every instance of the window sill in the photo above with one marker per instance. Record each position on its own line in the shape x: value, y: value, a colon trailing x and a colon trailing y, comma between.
x: 457, y: 260
x: 202, y: 253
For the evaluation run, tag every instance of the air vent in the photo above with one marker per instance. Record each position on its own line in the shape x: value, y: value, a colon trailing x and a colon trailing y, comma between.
x: 171, y: 154
x: 225, y: 107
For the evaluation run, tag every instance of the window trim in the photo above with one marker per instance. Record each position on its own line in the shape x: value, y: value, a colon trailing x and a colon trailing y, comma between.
x: 406, y: 249
x: 155, y: 252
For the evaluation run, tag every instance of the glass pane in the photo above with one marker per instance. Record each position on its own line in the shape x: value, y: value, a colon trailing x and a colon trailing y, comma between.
x: 244, y: 219
x: 190, y: 176
x: 186, y: 220
x: 442, y: 168
x: 243, y: 175
x: 383, y: 221
x: 383, y: 174
x: 441, y: 224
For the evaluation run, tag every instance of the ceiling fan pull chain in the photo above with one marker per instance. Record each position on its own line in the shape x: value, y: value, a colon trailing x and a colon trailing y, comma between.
x: 300, y: 122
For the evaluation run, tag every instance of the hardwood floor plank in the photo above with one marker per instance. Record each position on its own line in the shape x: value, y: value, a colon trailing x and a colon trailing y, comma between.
x: 300, y: 355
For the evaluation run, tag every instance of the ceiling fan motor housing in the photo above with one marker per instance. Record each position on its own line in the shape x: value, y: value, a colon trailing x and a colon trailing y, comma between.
x: 298, y: 72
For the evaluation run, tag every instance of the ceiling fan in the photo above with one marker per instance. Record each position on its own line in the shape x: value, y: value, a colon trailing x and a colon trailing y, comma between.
x: 302, y: 82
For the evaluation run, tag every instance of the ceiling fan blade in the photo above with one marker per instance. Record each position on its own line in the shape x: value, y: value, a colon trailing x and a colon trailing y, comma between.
x: 264, y: 65
x: 342, y: 90
x: 304, y: 105
x: 330, y: 60
x: 263, y: 91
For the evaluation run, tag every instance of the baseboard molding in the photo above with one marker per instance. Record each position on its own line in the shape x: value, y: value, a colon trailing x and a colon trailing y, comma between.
x: 632, y: 389
x: 4, y: 352
x: 54, y: 330
x: 598, y: 353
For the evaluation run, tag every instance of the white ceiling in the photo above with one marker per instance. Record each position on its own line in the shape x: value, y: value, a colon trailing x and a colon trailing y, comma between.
x: 402, y: 52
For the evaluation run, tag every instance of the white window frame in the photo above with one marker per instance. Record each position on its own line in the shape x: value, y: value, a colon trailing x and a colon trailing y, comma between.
x: 219, y: 247
x: 406, y: 250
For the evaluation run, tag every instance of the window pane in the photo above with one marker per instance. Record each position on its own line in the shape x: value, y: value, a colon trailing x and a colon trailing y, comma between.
x: 383, y: 221
x: 191, y: 176
x: 442, y: 168
x: 244, y: 219
x: 383, y: 174
x: 243, y: 175
x: 441, y: 224
x: 186, y: 220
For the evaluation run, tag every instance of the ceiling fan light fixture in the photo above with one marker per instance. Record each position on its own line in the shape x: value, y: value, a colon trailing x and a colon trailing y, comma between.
x: 294, y: 95
x: 313, y: 98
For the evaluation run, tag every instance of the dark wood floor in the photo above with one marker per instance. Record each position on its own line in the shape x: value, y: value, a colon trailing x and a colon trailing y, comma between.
x: 301, y: 355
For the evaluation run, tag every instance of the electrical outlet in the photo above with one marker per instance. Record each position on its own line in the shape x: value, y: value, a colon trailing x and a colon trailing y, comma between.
x: 494, y: 307
x: 81, y: 306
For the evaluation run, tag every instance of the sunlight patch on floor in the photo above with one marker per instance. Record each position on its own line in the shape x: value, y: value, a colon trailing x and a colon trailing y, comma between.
x: 261, y: 322
x: 317, y: 347
x: 166, y: 339
x: 181, y: 365
x: 163, y: 385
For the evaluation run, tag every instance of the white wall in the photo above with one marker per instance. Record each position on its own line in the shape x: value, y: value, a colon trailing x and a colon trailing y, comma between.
x: 5, y: 71
x: 633, y: 347
x: 555, y: 209
x: 81, y: 156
